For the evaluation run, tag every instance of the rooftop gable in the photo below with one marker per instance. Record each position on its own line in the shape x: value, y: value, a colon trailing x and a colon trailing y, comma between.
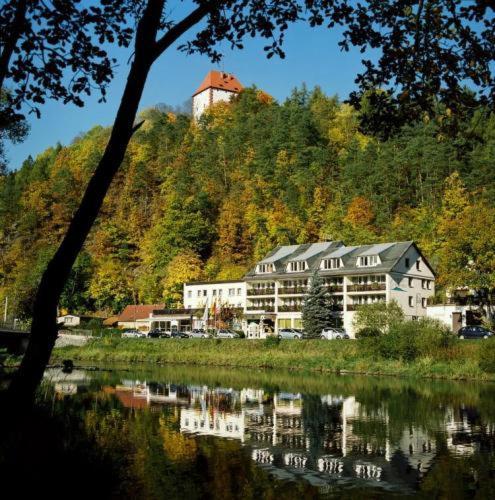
x: 220, y: 80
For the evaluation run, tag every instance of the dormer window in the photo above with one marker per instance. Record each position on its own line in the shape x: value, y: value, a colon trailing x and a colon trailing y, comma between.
x: 297, y: 266
x: 264, y: 268
x: 368, y: 261
x: 334, y: 263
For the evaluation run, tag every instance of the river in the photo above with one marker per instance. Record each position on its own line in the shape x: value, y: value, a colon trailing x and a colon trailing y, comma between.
x: 190, y: 432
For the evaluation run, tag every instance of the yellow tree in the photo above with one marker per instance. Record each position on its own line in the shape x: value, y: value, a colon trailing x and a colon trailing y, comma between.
x: 185, y: 266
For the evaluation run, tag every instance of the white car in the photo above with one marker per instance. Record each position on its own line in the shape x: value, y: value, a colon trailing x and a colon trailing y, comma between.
x: 136, y: 334
x: 227, y: 334
x: 289, y: 333
x: 334, y: 334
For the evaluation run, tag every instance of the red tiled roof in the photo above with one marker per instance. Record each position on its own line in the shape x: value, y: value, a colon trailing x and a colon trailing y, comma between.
x: 220, y: 80
x: 132, y: 313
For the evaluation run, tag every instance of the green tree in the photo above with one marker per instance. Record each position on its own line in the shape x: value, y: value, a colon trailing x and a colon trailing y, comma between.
x: 378, y: 316
x: 316, y: 311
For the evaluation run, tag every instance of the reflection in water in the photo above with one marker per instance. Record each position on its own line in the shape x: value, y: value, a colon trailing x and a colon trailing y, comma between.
x: 329, y: 437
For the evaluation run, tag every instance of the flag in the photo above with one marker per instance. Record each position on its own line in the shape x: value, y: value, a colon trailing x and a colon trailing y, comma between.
x: 205, y: 314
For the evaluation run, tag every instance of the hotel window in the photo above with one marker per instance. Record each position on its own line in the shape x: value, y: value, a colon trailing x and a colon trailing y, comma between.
x: 205, y: 293
x: 214, y: 293
x: 239, y: 291
x: 189, y: 294
x: 424, y: 283
x: 199, y: 293
x: 411, y: 301
x: 220, y: 292
x: 418, y: 265
x: 297, y: 266
x: 423, y: 302
x: 428, y: 284
x: 231, y: 292
x: 334, y: 263
x: 368, y: 261
x: 265, y: 268
x: 407, y: 263
x: 411, y: 282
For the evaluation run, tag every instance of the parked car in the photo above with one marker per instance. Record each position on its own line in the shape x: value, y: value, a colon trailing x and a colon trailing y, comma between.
x: 133, y: 334
x: 474, y: 332
x: 179, y: 335
x: 199, y: 334
x: 334, y: 333
x: 155, y: 333
x: 289, y: 333
x: 223, y: 333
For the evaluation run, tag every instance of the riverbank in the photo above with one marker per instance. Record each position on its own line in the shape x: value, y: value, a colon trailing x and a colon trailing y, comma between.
x: 458, y: 362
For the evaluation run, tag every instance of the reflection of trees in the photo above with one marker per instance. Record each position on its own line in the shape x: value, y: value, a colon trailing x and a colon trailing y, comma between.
x: 322, y: 423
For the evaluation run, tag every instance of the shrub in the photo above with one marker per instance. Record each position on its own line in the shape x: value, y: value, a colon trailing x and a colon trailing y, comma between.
x: 272, y: 341
x: 486, y: 359
x: 409, y: 340
x: 368, y: 332
x: 378, y: 316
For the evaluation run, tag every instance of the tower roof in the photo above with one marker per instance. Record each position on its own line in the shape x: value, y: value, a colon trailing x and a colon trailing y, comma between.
x: 220, y: 80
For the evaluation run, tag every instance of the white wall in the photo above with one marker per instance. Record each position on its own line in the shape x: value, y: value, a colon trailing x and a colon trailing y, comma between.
x: 197, y: 295
x: 200, y: 102
x: 204, y: 99
x: 444, y: 312
x: 400, y: 278
x: 69, y: 320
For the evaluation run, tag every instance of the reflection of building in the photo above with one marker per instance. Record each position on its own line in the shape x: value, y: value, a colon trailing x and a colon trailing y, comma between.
x: 213, y: 423
x: 323, y: 438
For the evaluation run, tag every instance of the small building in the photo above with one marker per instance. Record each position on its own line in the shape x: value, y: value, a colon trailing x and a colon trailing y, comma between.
x: 76, y: 320
x: 130, y: 317
x: 69, y: 320
x: 455, y: 316
x: 217, y: 86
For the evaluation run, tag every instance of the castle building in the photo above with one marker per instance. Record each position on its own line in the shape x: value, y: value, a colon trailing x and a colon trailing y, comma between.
x: 216, y: 87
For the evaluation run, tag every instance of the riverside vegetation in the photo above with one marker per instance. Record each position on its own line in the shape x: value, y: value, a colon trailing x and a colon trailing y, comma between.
x: 386, y: 344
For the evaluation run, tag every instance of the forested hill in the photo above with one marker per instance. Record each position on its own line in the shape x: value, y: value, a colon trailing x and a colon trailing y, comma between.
x: 204, y: 201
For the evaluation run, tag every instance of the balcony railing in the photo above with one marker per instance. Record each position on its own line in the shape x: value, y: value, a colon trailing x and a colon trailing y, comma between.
x: 296, y: 308
x: 260, y: 291
x: 261, y: 308
x: 334, y: 288
x: 301, y: 290
x: 372, y: 287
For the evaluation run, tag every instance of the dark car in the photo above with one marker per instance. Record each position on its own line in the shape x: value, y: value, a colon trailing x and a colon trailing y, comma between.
x: 179, y: 335
x: 155, y: 333
x: 474, y: 332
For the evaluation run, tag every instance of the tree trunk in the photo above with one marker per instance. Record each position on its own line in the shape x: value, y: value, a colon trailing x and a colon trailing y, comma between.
x: 44, y: 328
x: 22, y: 389
x: 13, y: 36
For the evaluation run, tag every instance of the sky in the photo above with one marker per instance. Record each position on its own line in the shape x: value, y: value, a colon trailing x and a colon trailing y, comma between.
x: 312, y: 57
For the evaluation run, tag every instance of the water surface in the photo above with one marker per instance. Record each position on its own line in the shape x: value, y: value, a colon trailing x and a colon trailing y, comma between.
x: 186, y: 432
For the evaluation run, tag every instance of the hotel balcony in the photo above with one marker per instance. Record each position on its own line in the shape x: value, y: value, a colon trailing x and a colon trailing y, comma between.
x: 294, y: 308
x: 260, y: 292
x: 261, y: 308
x: 294, y: 290
x: 334, y: 288
x: 371, y: 287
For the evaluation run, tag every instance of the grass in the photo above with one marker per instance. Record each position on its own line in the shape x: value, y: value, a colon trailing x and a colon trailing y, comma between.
x: 459, y: 361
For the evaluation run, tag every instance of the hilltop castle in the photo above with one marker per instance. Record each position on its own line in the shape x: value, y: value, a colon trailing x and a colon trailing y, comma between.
x: 217, y: 86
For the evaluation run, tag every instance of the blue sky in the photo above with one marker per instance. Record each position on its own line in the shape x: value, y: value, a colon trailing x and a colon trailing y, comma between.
x: 312, y: 57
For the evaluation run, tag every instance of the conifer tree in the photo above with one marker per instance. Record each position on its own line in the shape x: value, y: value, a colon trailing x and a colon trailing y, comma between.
x: 316, y: 312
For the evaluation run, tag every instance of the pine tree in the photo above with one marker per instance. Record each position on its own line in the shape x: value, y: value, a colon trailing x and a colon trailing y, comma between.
x: 316, y: 312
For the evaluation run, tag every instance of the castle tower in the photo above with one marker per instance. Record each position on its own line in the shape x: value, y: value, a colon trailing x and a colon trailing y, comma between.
x: 217, y: 86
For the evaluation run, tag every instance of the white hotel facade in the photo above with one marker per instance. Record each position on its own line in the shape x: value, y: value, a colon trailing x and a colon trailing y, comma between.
x: 271, y: 294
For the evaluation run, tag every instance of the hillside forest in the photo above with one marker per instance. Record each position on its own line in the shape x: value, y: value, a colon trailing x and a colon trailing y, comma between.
x: 204, y: 201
